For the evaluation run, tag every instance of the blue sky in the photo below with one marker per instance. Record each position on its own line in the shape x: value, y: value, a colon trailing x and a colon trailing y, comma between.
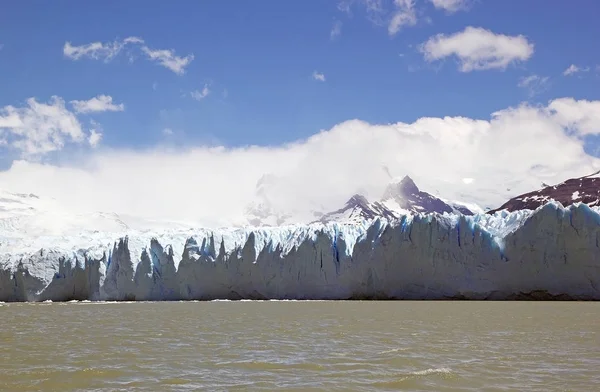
x: 277, y: 72
x: 258, y: 58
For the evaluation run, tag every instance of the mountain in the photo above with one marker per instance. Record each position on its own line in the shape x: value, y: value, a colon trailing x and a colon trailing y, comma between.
x: 401, y: 197
x: 25, y: 216
x: 358, y: 208
x: 576, y: 190
x: 409, y: 197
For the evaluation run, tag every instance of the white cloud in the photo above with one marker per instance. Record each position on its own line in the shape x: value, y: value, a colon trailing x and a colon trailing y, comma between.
x: 573, y: 69
x: 39, y: 128
x: 167, y: 131
x: 109, y: 50
x: 94, y: 138
x: 450, y: 6
x: 478, y: 49
x: 403, y: 15
x: 534, y: 84
x: 95, y: 134
x: 336, y: 30
x: 391, y: 14
x: 516, y: 148
x: 200, y: 95
x: 581, y: 117
x: 101, y: 103
x: 318, y: 76
x: 168, y: 59
x: 98, y: 50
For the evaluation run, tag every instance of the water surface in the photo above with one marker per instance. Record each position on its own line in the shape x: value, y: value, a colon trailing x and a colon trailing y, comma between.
x: 300, y: 346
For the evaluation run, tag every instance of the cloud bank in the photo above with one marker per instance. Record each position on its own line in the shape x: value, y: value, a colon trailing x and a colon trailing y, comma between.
x: 474, y: 160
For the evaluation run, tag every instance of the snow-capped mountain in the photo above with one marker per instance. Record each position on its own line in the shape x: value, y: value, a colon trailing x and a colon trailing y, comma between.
x: 401, y: 197
x: 358, y: 208
x: 25, y: 216
x: 267, y: 210
x: 408, y: 197
x: 30, y: 215
x: 584, y: 189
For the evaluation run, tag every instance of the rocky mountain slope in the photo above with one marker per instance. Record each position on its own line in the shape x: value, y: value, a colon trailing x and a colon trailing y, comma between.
x: 401, y: 197
x: 576, y: 190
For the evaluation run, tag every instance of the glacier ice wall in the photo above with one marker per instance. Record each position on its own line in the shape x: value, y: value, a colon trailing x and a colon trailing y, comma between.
x: 552, y: 252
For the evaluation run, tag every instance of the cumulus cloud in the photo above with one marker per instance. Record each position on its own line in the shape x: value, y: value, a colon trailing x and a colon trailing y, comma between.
x: 318, y: 76
x: 534, y: 84
x: 39, y: 128
x: 94, y: 138
x: 106, y: 51
x: 517, y: 148
x: 450, y: 6
x: 582, y: 117
x: 478, y: 49
x: 200, y: 95
x: 100, y: 103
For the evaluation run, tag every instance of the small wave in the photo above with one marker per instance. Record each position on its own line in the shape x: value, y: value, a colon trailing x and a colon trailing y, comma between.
x: 394, y: 350
x: 402, y: 380
x: 428, y: 372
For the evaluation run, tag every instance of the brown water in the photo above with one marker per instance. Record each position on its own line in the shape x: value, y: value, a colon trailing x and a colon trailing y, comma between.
x: 301, y: 346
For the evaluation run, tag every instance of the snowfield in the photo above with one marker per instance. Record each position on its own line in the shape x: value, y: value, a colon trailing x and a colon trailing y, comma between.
x: 550, y: 253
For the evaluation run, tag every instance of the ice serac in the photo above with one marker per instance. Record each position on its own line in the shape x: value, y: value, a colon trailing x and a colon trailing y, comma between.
x: 550, y: 253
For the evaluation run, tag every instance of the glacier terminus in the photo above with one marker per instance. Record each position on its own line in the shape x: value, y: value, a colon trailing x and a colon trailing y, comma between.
x: 552, y: 252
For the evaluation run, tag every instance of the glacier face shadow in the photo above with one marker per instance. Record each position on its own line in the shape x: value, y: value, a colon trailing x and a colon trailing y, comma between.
x: 550, y: 253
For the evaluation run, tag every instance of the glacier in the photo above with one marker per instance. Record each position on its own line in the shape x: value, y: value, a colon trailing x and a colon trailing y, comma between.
x: 550, y: 253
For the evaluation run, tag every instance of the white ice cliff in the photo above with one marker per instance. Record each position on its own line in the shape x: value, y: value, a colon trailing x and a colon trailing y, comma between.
x: 552, y: 252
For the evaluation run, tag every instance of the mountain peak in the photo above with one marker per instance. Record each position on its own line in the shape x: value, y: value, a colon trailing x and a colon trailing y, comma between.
x: 357, y: 199
x: 400, y: 188
x: 407, y: 185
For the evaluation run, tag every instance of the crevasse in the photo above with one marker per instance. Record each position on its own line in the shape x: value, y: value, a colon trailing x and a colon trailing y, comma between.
x: 552, y: 252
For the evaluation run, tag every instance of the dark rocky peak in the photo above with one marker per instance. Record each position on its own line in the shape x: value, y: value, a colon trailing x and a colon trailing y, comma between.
x: 584, y: 189
x: 400, y: 189
x: 409, y: 197
x: 357, y: 200
x: 358, y: 207
x: 399, y: 197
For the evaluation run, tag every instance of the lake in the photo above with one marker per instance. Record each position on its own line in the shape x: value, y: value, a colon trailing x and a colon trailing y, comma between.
x: 300, y: 346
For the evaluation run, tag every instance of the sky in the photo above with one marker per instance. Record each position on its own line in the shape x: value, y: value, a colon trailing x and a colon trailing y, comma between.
x: 177, y: 110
